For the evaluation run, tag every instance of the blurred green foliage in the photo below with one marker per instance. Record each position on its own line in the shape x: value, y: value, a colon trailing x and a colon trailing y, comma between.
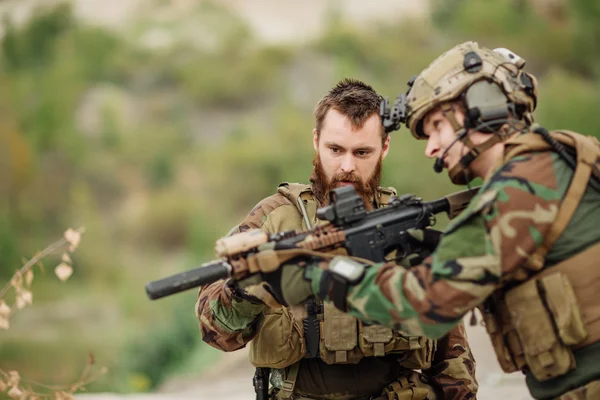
x: 160, y: 138
x: 549, y: 34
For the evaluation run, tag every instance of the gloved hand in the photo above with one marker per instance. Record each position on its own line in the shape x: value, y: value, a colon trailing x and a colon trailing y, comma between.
x: 288, y: 285
x: 254, y: 290
x: 291, y: 284
x: 295, y: 282
x: 428, y: 239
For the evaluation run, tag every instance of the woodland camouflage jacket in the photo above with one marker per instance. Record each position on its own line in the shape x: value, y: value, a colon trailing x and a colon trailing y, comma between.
x: 484, y: 250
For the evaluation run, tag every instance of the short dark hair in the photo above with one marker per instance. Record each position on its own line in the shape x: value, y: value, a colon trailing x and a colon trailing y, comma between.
x: 352, y: 98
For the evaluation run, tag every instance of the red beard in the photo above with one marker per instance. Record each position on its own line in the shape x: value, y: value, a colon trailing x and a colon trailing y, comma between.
x: 322, y: 187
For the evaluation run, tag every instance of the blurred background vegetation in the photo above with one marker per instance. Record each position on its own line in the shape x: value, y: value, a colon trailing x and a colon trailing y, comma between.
x: 161, y: 136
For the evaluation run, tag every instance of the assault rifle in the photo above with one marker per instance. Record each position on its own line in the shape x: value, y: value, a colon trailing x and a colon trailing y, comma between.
x: 352, y: 230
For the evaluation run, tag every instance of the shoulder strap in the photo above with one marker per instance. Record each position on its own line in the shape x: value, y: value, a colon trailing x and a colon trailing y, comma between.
x: 588, y: 154
x: 289, y: 382
x: 303, y: 199
x: 525, y: 143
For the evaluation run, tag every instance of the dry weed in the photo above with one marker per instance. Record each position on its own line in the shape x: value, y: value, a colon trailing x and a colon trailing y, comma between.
x: 10, y: 381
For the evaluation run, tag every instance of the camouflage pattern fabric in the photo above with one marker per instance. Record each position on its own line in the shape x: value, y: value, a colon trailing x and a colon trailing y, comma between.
x: 587, y: 392
x: 226, y: 322
x: 453, y: 366
x: 229, y: 323
x: 483, y: 248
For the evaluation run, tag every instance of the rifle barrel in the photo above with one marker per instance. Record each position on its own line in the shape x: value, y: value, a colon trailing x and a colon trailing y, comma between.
x: 204, y: 274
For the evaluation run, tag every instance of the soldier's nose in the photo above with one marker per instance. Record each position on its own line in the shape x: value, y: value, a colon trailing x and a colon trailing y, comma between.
x: 348, y: 164
x: 432, y: 149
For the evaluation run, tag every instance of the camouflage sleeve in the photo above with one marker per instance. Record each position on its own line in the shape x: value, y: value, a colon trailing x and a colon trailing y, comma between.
x: 487, y: 243
x: 229, y: 322
x: 453, y: 366
x: 226, y: 322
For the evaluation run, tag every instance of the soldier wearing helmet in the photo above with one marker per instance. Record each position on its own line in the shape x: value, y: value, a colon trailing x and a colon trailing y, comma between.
x: 476, y: 91
x: 525, y: 252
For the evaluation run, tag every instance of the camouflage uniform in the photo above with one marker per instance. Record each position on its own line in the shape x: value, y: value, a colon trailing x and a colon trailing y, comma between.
x: 525, y: 251
x: 229, y: 322
x: 485, y: 250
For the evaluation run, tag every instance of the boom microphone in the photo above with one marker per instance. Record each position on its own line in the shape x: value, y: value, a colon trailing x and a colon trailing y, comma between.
x: 439, y: 162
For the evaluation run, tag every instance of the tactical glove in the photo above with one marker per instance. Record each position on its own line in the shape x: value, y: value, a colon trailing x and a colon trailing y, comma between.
x: 254, y: 290
x: 303, y: 277
x: 292, y: 283
x: 427, y: 239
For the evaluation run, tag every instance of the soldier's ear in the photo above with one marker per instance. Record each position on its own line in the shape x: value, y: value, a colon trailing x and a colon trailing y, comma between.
x: 316, y: 140
x: 386, y: 146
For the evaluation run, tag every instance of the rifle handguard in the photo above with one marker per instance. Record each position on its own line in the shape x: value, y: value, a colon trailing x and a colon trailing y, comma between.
x: 244, y: 241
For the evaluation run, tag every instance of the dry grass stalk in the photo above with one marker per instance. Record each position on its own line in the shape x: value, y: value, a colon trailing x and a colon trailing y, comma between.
x: 11, y: 382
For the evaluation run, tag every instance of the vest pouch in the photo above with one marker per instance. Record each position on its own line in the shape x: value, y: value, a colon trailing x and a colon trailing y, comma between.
x: 375, y: 340
x: 546, y: 355
x: 565, y: 310
x: 279, y: 343
x: 503, y: 335
x: 412, y: 386
x: 417, y: 352
x: 339, y: 337
x: 413, y: 352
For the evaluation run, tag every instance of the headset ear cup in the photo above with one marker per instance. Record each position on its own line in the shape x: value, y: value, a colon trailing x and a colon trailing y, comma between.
x: 487, y: 106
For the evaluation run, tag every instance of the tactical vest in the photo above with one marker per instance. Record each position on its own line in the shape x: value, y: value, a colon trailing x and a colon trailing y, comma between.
x: 552, y: 311
x: 338, y: 337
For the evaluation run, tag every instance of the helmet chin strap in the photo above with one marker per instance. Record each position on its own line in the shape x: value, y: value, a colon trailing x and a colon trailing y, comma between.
x: 459, y: 174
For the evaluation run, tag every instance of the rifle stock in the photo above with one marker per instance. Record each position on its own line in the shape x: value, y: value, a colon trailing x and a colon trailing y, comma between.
x: 460, y: 200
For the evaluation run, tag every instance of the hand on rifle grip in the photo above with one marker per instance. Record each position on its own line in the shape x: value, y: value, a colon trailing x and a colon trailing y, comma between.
x: 254, y: 290
x: 425, y: 239
x: 428, y: 238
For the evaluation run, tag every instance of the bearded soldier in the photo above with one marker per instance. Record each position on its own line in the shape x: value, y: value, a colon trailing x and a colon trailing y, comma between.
x: 525, y: 251
x: 328, y: 354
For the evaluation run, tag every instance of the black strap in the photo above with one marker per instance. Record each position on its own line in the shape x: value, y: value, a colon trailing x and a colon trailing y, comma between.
x: 274, y: 285
x: 335, y: 287
x: 339, y: 290
x: 311, y: 327
x: 468, y: 158
x: 240, y: 294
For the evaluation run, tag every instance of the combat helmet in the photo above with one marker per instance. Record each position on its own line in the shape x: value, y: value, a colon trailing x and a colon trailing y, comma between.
x: 496, y: 95
x: 452, y: 74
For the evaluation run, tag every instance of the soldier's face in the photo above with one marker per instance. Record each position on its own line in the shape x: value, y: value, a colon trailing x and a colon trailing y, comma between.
x: 440, y: 137
x: 349, y: 155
